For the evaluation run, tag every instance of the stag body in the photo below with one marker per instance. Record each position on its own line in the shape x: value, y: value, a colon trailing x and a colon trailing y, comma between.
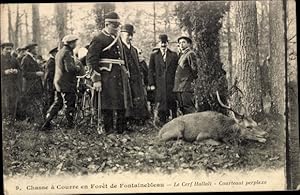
x: 212, y: 125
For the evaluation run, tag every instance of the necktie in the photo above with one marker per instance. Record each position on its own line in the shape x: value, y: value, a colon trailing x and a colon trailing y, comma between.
x: 164, y: 55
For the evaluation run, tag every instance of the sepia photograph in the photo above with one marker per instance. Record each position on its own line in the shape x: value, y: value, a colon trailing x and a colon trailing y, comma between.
x: 156, y: 96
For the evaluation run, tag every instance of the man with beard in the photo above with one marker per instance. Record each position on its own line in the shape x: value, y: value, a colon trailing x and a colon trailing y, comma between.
x: 138, y: 113
x: 33, y: 86
x: 9, y: 82
x: 64, y: 82
x: 110, y: 74
x: 162, y: 67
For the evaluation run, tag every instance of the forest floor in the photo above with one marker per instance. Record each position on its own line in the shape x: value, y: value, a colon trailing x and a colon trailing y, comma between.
x: 27, y: 151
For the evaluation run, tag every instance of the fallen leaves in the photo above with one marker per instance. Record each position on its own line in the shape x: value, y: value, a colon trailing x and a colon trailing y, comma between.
x: 84, y: 151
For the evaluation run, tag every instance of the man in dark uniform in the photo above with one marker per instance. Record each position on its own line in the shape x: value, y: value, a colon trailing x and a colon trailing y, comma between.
x: 64, y: 82
x: 10, y: 69
x: 185, y: 75
x: 162, y: 67
x: 110, y: 73
x: 33, y: 87
x: 139, y: 112
x: 49, y: 78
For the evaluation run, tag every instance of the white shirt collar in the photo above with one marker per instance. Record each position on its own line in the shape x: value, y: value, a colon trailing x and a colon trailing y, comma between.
x: 127, y: 45
x: 163, y: 50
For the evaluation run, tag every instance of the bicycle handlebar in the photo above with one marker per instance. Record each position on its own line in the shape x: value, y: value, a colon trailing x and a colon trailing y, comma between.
x: 82, y: 77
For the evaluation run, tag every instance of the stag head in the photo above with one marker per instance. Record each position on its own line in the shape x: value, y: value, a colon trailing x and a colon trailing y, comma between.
x: 248, y: 127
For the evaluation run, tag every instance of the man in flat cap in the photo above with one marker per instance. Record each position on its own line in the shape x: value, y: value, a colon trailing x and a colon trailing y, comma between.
x: 138, y: 113
x: 185, y: 75
x: 49, y: 78
x: 162, y: 67
x: 64, y: 82
x: 33, y: 86
x: 110, y: 74
x: 10, y: 69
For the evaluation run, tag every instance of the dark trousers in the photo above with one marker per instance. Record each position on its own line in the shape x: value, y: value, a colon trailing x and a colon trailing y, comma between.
x: 63, y: 98
x: 9, y: 102
x: 108, y: 120
x: 50, y: 96
x: 186, y: 102
x: 163, y: 114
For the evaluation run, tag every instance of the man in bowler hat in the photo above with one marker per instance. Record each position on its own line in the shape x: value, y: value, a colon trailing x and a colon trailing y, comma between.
x: 162, y: 67
x: 138, y: 113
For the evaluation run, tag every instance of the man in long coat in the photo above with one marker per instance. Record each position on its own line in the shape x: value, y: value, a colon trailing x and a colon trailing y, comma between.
x: 185, y: 75
x: 10, y: 69
x: 110, y: 74
x: 33, y: 86
x: 49, y: 78
x: 138, y: 113
x: 162, y: 67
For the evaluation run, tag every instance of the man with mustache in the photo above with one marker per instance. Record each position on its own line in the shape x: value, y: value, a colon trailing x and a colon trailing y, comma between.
x: 162, y: 68
x: 138, y: 113
x: 110, y: 74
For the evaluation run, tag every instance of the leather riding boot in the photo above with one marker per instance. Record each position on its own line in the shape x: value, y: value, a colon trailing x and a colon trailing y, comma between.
x: 47, y: 123
x: 70, y: 119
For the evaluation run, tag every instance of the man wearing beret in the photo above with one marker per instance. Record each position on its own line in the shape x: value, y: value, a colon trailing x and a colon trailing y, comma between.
x: 185, y: 75
x: 64, y: 82
x: 162, y: 67
x: 10, y: 69
x: 138, y: 113
x: 110, y: 74
x: 33, y: 86
x: 49, y: 78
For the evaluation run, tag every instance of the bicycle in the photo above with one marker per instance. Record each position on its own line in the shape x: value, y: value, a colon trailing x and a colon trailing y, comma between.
x: 86, y: 111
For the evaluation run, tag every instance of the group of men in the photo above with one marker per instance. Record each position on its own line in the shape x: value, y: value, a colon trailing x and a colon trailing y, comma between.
x: 21, y: 84
x: 117, y: 72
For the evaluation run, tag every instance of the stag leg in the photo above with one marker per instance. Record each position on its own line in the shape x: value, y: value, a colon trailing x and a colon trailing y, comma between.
x: 207, y: 138
x: 202, y: 136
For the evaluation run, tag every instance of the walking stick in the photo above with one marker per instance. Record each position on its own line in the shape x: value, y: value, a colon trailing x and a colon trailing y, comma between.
x: 99, y: 126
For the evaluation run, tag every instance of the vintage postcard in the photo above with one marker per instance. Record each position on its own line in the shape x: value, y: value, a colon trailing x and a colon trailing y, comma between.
x: 136, y: 97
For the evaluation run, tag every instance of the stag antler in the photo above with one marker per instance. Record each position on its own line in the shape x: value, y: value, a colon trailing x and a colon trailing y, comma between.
x: 227, y: 107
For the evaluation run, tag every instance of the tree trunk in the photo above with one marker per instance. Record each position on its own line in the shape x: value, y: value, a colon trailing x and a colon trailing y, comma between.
x: 10, y: 29
x: 277, y: 52
x: 27, y: 27
x: 229, y: 47
x: 247, y: 66
x: 36, y: 30
x: 61, y: 21
x: 17, y: 28
x: 154, y: 25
